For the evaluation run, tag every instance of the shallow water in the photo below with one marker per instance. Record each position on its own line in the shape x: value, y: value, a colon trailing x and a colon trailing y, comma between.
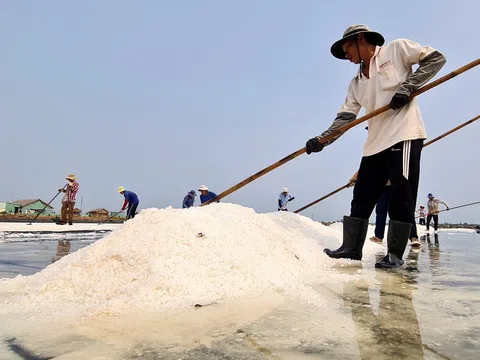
x: 428, y: 310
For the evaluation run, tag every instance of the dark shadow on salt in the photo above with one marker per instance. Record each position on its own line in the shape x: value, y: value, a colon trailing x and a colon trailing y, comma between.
x: 21, y: 351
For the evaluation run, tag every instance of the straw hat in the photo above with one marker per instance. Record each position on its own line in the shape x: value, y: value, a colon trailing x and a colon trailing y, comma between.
x: 285, y: 190
x: 120, y: 189
x: 71, y: 177
x: 203, y: 187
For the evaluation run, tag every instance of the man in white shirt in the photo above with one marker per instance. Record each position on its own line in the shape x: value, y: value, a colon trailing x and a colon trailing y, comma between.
x: 283, y: 199
x: 395, y: 138
x: 432, y: 206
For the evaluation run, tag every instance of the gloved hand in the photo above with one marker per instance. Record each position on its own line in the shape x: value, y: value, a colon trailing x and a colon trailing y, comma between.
x: 314, y: 145
x: 448, y: 208
x: 399, y: 100
x: 123, y: 209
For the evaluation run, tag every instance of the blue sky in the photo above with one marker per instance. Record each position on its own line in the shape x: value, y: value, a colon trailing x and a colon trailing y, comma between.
x: 161, y: 97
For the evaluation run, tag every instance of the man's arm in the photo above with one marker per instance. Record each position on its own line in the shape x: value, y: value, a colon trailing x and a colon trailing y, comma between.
x: 348, y: 113
x: 430, y: 62
x: 444, y: 203
x: 125, y: 205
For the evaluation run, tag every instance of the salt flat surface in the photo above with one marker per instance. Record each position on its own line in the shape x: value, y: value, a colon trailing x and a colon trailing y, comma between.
x: 23, y: 227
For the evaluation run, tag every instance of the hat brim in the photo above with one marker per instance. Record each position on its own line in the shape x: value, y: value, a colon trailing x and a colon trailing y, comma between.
x: 337, y: 50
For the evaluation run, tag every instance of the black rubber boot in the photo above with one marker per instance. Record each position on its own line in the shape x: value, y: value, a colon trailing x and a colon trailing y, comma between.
x: 354, y: 233
x: 397, y: 240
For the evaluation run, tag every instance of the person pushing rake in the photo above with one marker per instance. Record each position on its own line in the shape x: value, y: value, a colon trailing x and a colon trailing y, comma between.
x: 395, y: 137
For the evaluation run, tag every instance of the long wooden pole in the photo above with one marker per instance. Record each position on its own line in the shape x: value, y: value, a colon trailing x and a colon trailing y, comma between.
x: 322, y: 198
x: 424, y: 145
x: 340, y: 131
x: 452, y: 131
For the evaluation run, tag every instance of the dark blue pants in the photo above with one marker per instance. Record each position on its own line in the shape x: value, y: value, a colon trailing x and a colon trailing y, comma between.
x: 381, y: 210
x: 132, y: 209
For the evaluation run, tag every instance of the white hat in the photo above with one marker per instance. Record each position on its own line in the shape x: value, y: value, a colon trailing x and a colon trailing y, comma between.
x: 284, y: 190
x: 203, y: 187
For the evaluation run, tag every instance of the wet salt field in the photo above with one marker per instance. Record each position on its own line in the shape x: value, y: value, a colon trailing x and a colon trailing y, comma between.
x: 428, y: 310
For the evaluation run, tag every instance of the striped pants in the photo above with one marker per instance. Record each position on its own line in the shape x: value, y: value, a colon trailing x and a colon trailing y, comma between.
x: 401, y: 165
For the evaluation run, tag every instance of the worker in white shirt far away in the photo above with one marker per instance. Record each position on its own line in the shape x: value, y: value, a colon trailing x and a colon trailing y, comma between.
x: 283, y: 199
x: 432, y: 208
x: 395, y: 137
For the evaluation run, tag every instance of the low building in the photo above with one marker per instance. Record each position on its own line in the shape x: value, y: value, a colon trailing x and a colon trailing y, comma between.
x: 9, y: 208
x: 77, y: 212
x: 98, y: 213
x: 34, y: 207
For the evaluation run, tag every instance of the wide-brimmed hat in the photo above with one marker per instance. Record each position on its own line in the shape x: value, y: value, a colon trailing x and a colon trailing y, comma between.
x: 430, y: 195
x: 71, y: 177
x: 120, y: 189
x: 203, y: 187
x: 423, y: 207
x: 375, y: 38
x: 285, y: 190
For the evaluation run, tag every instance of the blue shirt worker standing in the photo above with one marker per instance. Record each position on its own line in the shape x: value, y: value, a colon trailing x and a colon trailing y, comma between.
x: 205, y: 194
x: 189, y: 199
x: 131, y: 199
x: 283, y: 199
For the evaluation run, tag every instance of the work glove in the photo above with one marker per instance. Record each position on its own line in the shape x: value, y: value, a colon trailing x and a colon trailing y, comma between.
x: 314, y: 145
x: 448, y: 208
x: 399, y: 100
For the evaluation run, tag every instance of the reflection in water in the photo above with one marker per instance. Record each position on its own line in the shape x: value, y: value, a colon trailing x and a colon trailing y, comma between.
x: 433, y: 249
x: 394, y: 332
x: 63, y: 248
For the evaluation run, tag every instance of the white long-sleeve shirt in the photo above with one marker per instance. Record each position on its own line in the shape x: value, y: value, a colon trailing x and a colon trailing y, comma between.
x: 390, y: 72
x: 432, y: 205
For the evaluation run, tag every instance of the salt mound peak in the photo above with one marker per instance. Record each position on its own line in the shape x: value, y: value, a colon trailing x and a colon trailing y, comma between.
x: 175, y: 258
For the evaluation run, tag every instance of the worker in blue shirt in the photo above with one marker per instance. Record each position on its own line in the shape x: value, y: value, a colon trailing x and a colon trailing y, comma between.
x: 131, y: 199
x: 189, y: 199
x: 283, y: 199
x: 205, y: 194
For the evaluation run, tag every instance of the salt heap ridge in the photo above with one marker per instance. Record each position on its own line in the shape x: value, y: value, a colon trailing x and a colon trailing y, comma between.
x: 157, y: 262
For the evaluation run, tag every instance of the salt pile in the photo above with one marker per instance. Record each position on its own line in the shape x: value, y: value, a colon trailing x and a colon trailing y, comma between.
x: 158, y: 262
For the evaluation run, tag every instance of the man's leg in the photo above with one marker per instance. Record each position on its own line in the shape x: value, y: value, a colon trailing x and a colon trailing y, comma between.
x: 71, y: 206
x: 381, y: 210
x: 133, y: 210
x: 435, y: 222
x: 429, y: 219
x: 64, y: 212
x: 371, y: 180
x: 403, y: 163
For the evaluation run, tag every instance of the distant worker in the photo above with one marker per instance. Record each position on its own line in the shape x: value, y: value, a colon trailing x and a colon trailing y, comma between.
x: 421, y: 214
x: 68, y: 201
x: 131, y: 199
x: 283, y: 199
x: 189, y: 199
x: 206, y: 195
x: 432, y: 207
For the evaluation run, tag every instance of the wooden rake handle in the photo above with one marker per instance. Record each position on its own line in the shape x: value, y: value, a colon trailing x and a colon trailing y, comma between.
x: 340, y: 131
